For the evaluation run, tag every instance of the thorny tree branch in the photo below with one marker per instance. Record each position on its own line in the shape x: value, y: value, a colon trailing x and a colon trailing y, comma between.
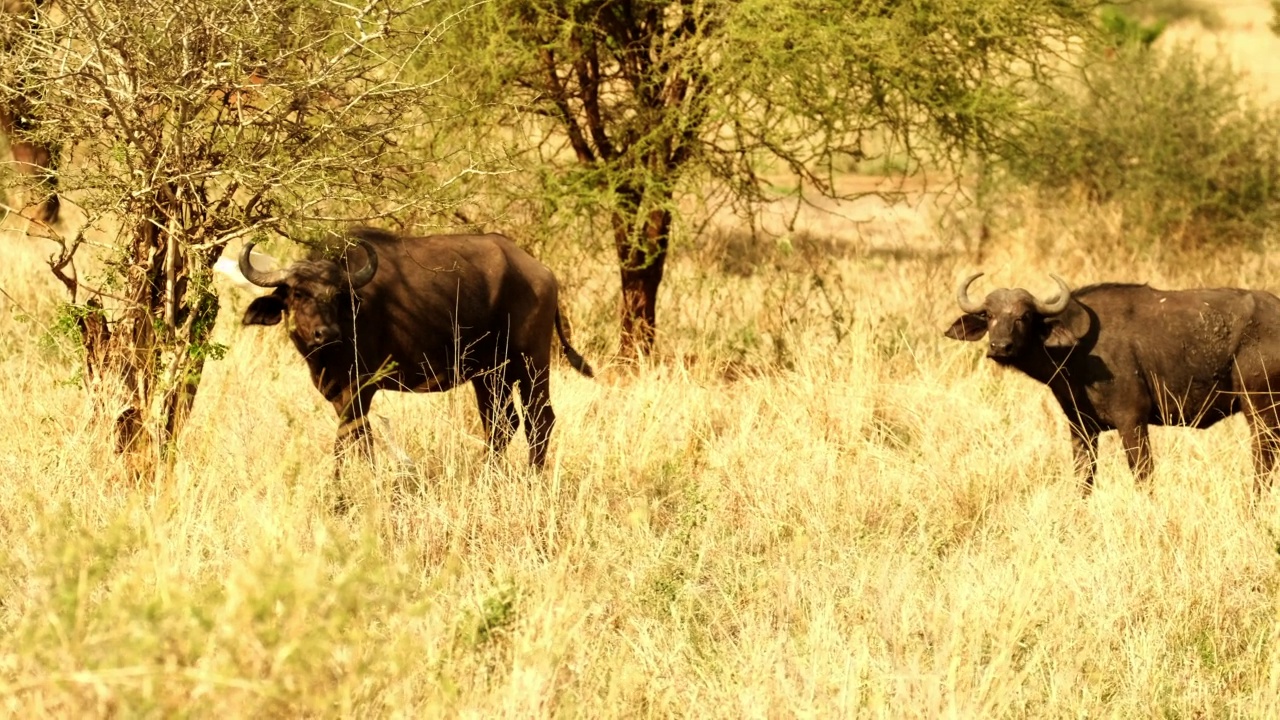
x: 190, y: 125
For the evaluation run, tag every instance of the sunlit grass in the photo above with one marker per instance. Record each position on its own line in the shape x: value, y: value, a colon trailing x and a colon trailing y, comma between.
x: 810, y: 504
x: 881, y: 525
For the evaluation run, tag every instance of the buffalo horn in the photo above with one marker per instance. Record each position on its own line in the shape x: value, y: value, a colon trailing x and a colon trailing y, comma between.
x: 261, y: 278
x: 362, y: 276
x: 1059, y: 302
x: 962, y: 295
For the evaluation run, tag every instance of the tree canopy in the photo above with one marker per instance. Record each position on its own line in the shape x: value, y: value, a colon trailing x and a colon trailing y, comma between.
x: 190, y: 124
x: 618, y: 106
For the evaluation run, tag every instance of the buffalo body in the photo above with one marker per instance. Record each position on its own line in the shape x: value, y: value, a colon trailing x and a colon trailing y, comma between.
x: 1124, y: 357
x: 424, y: 314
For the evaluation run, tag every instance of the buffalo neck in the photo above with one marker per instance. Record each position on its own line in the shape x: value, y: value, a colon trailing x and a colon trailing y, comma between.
x: 1043, y: 364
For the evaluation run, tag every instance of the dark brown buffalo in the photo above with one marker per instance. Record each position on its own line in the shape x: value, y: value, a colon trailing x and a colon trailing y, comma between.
x: 1122, y: 357
x: 29, y: 158
x: 424, y: 314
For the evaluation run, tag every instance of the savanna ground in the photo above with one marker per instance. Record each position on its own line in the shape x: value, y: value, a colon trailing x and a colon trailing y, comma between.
x: 810, y: 504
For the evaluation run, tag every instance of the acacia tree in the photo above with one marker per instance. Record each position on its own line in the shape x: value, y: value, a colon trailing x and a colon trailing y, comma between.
x: 627, y: 102
x: 189, y: 124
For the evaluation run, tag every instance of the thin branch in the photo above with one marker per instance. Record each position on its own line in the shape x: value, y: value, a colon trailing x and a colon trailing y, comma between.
x: 560, y: 97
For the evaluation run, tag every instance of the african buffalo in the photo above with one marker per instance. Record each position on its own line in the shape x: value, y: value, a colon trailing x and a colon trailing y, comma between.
x: 29, y: 158
x: 1122, y: 357
x: 424, y: 314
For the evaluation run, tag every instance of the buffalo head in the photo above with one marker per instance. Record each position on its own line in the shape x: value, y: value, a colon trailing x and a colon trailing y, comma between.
x: 1013, y: 319
x: 315, y: 294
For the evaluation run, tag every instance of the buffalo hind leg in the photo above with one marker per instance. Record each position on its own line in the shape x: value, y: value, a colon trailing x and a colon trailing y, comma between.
x: 1266, y: 447
x: 540, y: 419
x: 1084, y: 451
x: 497, y: 409
x: 1137, y: 447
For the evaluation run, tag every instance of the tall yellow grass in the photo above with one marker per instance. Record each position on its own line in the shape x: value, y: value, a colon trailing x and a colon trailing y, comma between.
x: 889, y: 528
x: 765, y: 522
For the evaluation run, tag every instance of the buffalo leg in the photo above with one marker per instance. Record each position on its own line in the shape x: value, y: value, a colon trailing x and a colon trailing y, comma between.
x: 1266, y: 445
x: 497, y: 410
x: 1137, y: 447
x: 353, y: 426
x: 35, y: 160
x: 31, y: 159
x: 540, y: 419
x: 1084, y: 450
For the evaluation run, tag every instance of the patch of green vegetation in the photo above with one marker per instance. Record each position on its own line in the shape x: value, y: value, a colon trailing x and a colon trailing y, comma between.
x: 886, y: 165
x: 1172, y: 139
x: 1122, y: 29
x: 99, y: 620
x: 62, y: 338
x: 494, y: 616
x: 1169, y: 11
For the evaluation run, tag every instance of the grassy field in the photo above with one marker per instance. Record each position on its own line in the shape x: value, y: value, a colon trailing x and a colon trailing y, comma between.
x: 812, y: 504
x: 886, y: 528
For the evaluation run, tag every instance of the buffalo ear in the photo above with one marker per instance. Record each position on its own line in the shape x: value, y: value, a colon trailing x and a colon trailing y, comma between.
x: 1060, y: 336
x: 968, y: 327
x: 266, y: 310
x: 1065, y: 330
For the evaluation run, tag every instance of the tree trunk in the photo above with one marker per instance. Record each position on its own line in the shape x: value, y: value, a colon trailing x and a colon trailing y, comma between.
x: 641, y: 261
x: 145, y: 365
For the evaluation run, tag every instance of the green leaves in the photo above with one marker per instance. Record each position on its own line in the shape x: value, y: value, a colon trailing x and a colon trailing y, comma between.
x: 612, y: 113
x: 1122, y: 30
x: 1171, y: 138
x: 655, y: 92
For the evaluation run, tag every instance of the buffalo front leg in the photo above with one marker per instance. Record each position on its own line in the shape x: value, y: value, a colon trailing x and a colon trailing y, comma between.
x: 540, y: 419
x: 1137, y: 448
x: 1084, y: 452
x: 353, y: 438
x: 497, y: 409
x: 1265, y: 447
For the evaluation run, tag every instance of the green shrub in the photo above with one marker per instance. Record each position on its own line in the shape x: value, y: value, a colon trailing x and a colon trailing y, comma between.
x: 1169, y: 136
x: 1170, y: 11
x: 1121, y: 29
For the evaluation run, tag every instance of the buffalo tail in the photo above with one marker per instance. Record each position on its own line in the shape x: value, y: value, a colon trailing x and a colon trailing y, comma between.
x: 577, y: 361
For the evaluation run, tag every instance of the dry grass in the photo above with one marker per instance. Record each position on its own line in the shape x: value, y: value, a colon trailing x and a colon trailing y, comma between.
x: 882, y: 525
x: 887, y: 528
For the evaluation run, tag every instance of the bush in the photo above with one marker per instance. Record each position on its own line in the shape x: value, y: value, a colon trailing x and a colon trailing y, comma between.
x: 1171, y: 137
x: 1170, y: 11
x: 1121, y: 29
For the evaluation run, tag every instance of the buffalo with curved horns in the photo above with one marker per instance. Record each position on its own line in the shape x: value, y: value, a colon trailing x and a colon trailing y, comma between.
x: 1123, y: 357
x: 424, y: 314
x: 29, y: 158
